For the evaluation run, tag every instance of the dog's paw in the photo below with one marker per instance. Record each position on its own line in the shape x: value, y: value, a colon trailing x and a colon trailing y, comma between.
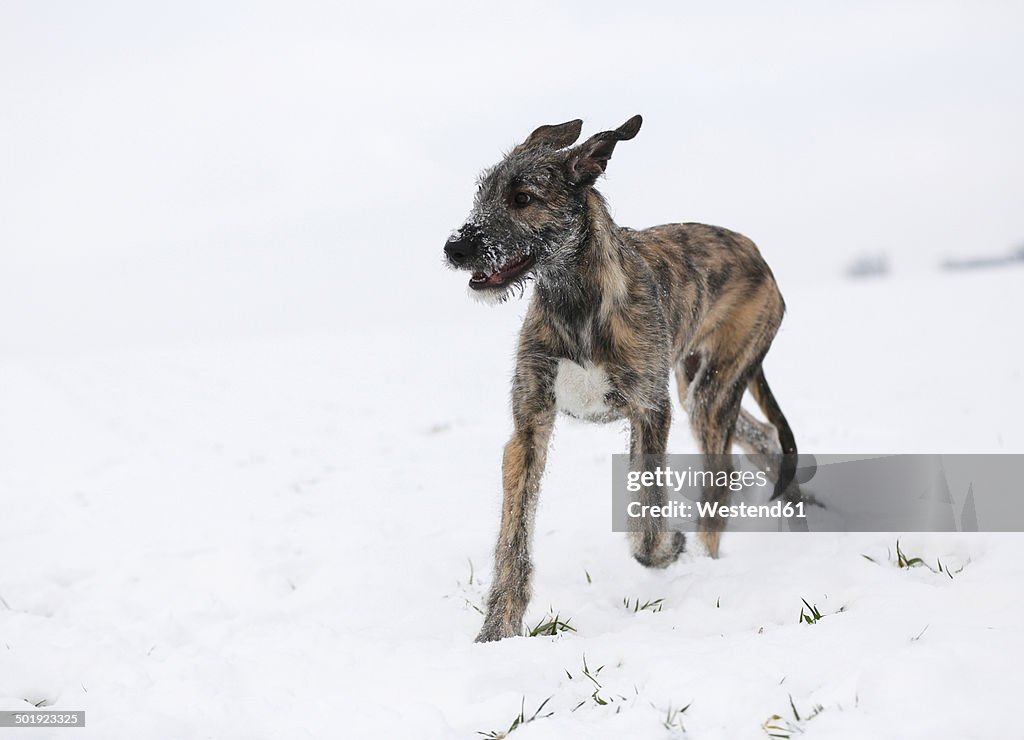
x: 658, y: 549
x: 494, y: 631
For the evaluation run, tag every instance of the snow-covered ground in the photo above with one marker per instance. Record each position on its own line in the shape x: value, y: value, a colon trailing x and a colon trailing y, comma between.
x: 289, y: 536
x: 251, y: 429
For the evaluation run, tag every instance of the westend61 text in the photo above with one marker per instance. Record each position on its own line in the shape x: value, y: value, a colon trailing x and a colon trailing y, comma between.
x: 711, y: 509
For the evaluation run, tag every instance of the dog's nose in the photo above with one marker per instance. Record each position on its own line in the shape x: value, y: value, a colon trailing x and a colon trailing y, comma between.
x: 461, y: 248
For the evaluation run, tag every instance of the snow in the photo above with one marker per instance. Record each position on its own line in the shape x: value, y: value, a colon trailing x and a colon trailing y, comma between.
x: 275, y: 537
x: 251, y: 428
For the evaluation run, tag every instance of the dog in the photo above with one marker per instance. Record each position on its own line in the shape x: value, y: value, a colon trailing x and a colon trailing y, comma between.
x: 614, y: 311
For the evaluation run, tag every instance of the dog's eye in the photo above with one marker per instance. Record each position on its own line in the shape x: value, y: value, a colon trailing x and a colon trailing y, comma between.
x: 521, y: 199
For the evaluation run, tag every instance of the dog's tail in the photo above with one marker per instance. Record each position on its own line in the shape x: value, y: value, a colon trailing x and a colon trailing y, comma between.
x: 763, y: 395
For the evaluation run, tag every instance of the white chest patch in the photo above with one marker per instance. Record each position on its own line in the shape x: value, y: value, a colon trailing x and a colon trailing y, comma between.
x: 580, y: 391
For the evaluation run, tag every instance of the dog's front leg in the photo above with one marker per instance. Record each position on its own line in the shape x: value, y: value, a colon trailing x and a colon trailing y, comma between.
x: 533, y: 410
x: 653, y: 545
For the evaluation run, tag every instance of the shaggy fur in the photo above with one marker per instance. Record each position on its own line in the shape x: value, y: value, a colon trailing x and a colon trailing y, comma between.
x: 627, y: 307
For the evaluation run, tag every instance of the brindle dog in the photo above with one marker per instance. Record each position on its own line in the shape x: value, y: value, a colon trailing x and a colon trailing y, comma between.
x: 614, y: 311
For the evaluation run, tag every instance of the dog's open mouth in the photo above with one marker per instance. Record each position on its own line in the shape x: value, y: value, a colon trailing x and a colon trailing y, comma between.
x: 504, y: 276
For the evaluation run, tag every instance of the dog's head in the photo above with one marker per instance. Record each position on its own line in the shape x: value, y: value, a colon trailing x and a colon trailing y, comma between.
x: 529, y: 212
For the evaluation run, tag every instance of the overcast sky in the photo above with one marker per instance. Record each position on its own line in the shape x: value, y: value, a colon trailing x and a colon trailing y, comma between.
x: 306, y: 150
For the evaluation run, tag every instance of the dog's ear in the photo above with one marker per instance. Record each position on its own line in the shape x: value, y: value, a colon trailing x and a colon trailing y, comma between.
x: 557, y: 136
x: 589, y: 160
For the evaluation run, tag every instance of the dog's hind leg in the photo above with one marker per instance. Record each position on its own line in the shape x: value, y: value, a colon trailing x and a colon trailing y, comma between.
x: 699, y: 386
x: 753, y: 436
x: 714, y: 409
x: 758, y: 439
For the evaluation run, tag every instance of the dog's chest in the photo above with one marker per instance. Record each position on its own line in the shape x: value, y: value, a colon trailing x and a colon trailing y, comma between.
x: 582, y: 391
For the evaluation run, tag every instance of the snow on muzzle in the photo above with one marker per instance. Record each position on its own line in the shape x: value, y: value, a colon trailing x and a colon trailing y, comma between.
x: 502, y: 277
